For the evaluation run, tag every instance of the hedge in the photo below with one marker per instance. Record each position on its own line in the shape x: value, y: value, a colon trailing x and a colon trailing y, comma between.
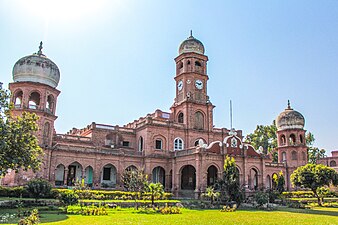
x: 305, y: 194
x: 112, y: 195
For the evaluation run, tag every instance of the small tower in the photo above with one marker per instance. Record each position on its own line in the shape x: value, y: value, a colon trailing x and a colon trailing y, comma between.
x: 192, y: 106
x: 291, y: 138
x: 34, y: 90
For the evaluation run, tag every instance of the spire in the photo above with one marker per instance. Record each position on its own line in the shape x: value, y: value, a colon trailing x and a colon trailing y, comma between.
x: 40, y: 49
x: 190, y: 33
x: 289, y: 106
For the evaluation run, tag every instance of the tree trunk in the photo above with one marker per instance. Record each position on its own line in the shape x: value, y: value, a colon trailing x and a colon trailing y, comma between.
x: 318, y: 198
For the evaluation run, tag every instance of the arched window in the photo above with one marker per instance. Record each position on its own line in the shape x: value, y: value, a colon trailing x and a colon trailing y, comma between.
x: 294, y: 155
x: 282, y: 140
x: 34, y: 100
x: 110, y: 140
x: 180, y: 65
x: 158, y: 144
x: 292, y: 139
x: 18, y: 99
x: 140, y: 144
x: 197, y: 63
x: 303, y: 156
x: 301, y: 139
x: 50, y: 103
x: 333, y: 163
x: 180, y: 117
x: 188, y: 62
x: 199, y: 121
x: 283, y: 156
x: 178, y: 144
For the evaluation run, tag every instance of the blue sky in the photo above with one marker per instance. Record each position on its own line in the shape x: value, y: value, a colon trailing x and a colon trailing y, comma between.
x: 116, y: 57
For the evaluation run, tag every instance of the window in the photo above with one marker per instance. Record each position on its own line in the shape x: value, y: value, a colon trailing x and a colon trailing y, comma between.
x: 283, y: 156
x: 50, y: 103
x: 125, y: 143
x: 197, y: 63
x: 292, y: 139
x: 106, y: 173
x: 301, y: 139
x: 199, y: 121
x: 294, y: 155
x: 158, y: 144
x: 333, y: 163
x: 282, y: 140
x: 34, y: 100
x: 140, y: 144
x: 180, y: 118
x: 178, y: 144
x: 18, y: 99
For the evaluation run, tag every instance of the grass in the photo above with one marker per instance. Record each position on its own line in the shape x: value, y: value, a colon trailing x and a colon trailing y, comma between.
x: 130, y: 201
x: 130, y: 216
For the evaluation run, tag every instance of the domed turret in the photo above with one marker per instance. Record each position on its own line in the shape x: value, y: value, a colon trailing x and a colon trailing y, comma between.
x: 191, y: 44
x: 290, y: 119
x: 36, y: 68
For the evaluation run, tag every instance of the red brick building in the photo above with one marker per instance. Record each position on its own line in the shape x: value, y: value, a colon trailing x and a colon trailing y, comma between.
x: 181, y: 148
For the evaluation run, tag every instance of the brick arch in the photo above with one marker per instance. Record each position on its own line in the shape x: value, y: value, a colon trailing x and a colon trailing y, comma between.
x: 160, y: 136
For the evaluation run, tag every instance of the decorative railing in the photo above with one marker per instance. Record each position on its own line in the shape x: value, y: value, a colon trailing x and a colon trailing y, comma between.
x: 275, y: 164
x: 61, y: 137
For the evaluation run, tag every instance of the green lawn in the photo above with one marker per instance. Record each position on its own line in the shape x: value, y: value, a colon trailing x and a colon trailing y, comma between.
x: 130, y: 216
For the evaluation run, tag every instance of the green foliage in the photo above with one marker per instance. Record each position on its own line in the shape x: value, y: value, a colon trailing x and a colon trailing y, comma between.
x: 261, y: 198
x: 313, y: 177
x: 32, y: 219
x: 156, y: 191
x: 307, y: 194
x: 18, y: 145
x: 281, y: 182
x: 87, y: 210
x: 13, y: 192
x: 39, y: 188
x: 113, y: 195
x: 134, y: 180
x: 211, y: 194
x: 69, y: 198
x: 170, y: 210
x: 264, y: 136
x: 228, y: 208
x: 228, y: 186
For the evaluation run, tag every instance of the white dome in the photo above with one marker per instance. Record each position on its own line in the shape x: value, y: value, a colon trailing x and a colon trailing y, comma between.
x: 290, y: 119
x: 36, y: 68
x: 191, y: 44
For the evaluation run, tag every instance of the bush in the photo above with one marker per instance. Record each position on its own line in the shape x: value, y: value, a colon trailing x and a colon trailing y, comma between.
x: 170, y: 210
x: 13, y: 192
x: 87, y: 210
x: 32, y: 219
x: 261, y: 198
x: 69, y: 198
x: 39, y: 188
x: 228, y: 208
x: 306, y: 194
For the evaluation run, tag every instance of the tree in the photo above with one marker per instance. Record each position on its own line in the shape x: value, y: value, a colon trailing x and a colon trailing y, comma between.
x: 265, y: 136
x: 135, y: 181
x: 229, y: 185
x: 280, y: 182
x: 314, y: 153
x: 156, y: 191
x: 19, y: 147
x: 212, y: 194
x: 39, y: 188
x: 314, y: 177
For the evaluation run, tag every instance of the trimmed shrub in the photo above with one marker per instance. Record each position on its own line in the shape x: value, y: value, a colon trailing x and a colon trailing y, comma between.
x: 261, y: 198
x: 69, y: 198
x: 170, y: 210
x: 87, y: 210
x: 39, y: 188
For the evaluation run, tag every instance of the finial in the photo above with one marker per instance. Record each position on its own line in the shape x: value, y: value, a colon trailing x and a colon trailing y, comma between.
x: 190, y: 33
x: 289, y: 107
x: 40, y: 49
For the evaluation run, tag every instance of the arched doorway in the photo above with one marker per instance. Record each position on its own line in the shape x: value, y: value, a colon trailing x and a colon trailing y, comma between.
x: 268, y: 182
x: 59, y: 175
x: 254, y: 179
x: 89, y: 176
x: 212, y: 175
x: 108, y: 177
x: 74, y: 173
x: 188, y: 178
x: 159, y: 175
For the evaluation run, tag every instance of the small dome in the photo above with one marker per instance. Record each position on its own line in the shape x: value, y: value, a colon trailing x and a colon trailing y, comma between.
x: 36, y: 68
x: 191, y: 44
x: 290, y: 119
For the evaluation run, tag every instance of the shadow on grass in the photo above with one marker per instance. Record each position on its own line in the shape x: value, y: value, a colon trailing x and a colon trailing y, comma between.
x: 48, y: 217
x: 322, y: 211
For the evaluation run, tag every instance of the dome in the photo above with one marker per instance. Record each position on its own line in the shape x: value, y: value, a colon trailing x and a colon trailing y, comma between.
x: 36, y: 68
x: 191, y: 44
x: 290, y: 119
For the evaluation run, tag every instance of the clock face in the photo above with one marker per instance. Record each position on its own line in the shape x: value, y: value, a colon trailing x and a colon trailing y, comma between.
x: 180, y: 85
x: 199, y: 84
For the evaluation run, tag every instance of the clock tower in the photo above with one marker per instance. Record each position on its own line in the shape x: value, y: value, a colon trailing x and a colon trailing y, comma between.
x: 192, y: 106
